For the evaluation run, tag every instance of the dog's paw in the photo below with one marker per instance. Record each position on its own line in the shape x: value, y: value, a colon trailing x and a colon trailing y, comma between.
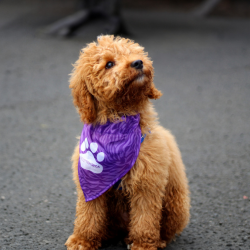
x: 77, y: 243
x: 88, y: 159
x: 162, y: 244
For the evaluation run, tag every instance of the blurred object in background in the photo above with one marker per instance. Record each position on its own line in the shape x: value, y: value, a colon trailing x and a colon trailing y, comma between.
x: 225, y: 8
x: 106, y: 14
x: 206, y: 7
x: 108, y: 10
x: 232, y: 8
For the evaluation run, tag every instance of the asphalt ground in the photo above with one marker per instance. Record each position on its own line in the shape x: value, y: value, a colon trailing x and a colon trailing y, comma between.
x: 203, y: 68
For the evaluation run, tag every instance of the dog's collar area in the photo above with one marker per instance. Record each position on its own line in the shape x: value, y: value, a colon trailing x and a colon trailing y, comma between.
x: 143, y: 137
x: 116, y: 185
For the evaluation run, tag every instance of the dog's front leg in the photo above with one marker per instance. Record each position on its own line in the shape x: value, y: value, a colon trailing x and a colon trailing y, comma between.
x: 90, y: 224
x: 145, y: 217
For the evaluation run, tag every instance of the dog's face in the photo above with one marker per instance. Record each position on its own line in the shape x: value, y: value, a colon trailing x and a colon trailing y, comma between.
x: 115, y: 74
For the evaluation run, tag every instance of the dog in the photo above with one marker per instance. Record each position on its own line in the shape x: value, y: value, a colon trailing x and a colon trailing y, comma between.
x: 112, y: 84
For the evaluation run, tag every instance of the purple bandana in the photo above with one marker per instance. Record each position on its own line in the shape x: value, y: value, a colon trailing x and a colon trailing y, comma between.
x: 107, y: 153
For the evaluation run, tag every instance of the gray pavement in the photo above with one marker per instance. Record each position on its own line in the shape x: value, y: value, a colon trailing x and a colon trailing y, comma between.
x: 203, y: 69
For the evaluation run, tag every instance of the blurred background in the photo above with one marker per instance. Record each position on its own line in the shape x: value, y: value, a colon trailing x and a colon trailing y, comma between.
x: 201, y: 56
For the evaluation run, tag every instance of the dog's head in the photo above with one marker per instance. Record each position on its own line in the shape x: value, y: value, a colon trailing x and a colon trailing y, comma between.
x: 114, y: 74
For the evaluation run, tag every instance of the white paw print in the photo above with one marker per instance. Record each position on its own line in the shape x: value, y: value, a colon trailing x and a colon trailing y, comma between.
x: 88, y: 160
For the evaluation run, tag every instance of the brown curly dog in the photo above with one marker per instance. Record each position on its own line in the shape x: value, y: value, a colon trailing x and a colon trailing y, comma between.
x: 113, y: 78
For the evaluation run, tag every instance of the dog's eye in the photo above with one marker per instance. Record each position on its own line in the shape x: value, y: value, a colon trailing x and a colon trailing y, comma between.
x: 109, y: 65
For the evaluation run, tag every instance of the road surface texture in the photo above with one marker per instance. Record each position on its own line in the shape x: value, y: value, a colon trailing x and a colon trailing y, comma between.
x: 203, y: 69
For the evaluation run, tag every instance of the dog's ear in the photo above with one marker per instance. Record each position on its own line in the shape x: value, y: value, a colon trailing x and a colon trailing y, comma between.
x: 154, y: 93
x: 82, y: 98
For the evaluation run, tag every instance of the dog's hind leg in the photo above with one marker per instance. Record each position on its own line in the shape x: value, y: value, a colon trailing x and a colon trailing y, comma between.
x: 176, y: 204
x: 175, y: 215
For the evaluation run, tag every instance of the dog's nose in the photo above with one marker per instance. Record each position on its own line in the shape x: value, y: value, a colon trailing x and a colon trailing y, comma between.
x: 138, y: 64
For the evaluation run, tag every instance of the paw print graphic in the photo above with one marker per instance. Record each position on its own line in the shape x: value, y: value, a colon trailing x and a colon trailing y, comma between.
x: 88, y: 160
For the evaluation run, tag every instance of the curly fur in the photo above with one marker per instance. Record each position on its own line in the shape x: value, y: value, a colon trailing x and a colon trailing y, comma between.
x: 153, y: 205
